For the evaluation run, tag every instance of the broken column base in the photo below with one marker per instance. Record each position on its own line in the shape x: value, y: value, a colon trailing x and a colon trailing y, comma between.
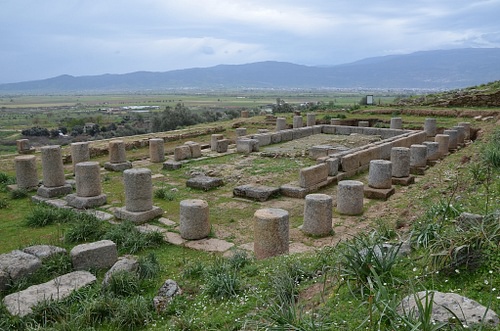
x: 118, y: 166
x: 256, y: 192
x: 86, y: 202
x: 137, y: 217
x: 403, y: 181
x: 418, y: 170
x: 53, y: 192
x: 378, y: 193
x: 171, y: 165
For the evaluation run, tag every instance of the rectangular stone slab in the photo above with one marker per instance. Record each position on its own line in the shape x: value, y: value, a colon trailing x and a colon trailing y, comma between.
x: 21, y: 303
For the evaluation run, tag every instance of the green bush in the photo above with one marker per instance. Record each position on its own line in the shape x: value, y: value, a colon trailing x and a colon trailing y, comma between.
x: 149, y: 266
x: 164, y: 193
x: 43, y: 215
x: 86, y: 228
x: 133, y: 313
x: 221, y: 280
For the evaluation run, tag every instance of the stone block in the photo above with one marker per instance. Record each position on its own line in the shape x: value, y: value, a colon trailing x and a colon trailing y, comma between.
x: 247, y: 146
x: 276, y: 138
x: 86, y: 202
x: 286, y: 135
x: 182, y: 152
x: 138, y: 217
x: 222, y: 145
x: 329, y: 129
x: 403, y: 181
x: 21, y: 303
x: 53, y: 192
x: 18, y: 264
x: 350, y: 162
x: 313, y: 175
x: 171, y: 165
x: 204, y: 182
x: 99, y: 255
x: 264, y: 139
x: 256, y: 192
x: 378, y: 193
x: 44, y: 251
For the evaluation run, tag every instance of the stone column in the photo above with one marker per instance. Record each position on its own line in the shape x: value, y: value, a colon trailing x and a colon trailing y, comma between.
x: 213, y: 141
x: 430, y: 127
x: 117, y: 156
x: 466, y: 126
x: 54, y: 182
x: 244, y: 113
x: 453, y: 141
x: 88, y: 186
x: 432, y: 150
x: 443, y: 140
x: 400, y: 158
x: 418, y: 155
x: 240, y: 132
x: 311, y: 119
x: 79, y: 153
x: 271, y: 233
x: 138, y: 197
x: 364, y: 123
x: 23, y: 146
x: 297, y: 122
x: 380, y: 174
x: 460, y: 135
x: 318, y: 215
x: 26, y: 173
x: 350, y: 195
x: 156, y: 150
x: 194, y: 219
x: 280, y: 123
x: 396, y: 123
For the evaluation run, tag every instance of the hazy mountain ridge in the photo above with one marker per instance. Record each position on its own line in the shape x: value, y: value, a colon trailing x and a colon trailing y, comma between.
x: 442, y: 69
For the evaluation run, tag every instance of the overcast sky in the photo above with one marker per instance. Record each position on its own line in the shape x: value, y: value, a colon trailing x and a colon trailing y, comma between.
x: 46, y: 38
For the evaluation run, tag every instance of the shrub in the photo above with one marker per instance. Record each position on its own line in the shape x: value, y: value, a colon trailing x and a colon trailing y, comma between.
x: 129, y: 240
x: 221, y: 280
x: 149, y: 267
x: 87, y: 227
x: 132, y: 314
x: 164, y: 193
x: 123, y: 283
x: 43, y: 215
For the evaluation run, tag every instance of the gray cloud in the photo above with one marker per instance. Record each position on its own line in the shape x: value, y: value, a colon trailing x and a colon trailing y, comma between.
x: 42, y: 39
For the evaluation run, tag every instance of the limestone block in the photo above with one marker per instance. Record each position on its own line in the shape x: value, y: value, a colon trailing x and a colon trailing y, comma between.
x: 125, y: 263
x: 286, y: 135
x: 195, y: 148
x: 213, y: 141
x: 400, y: 158
x: 240, y: 132
x: 247, y: 146
x: 453, y: 139
x: 17, y: 264
x: 222, y: 145
x: 313, y: 175
x: 280, y: 123
x: 396, y: 123
x: 204, y: 182
x: 350, y: 162
x: 264, y: 139
x: 117, y: 151
x: 311, y: 119
x: 100, y: 254
x: 88, y: 179
x: 430, y: 127
x: 182, y: 152
x: 418, y: 156
x: 297, y: 122
x: 44, y: 251
x: 333, y: 166
x: 21, y: 303
x: 276, y: 138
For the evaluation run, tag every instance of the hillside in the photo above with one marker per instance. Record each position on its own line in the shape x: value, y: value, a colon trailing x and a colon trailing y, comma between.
x: 486, y: 95
x: 441, y: 69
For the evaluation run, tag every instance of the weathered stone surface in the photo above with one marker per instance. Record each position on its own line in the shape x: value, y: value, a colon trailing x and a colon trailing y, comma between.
x: 166, y: 293
x: 280, y: 123
x: 52, y: 166
x: 378, y: 193
x: 467, y: 310
x: 86, y: 202
x: 297, y: 122
x: 213, y: 141
x: 468, y: 221
x: 119, y: 167
x: 138, y: 217
x: 313, y: 175
x: 99, y: 254
x: 182, y: 152
x: 171, y: 165
x: 156, y: 150
x: 80, y: 152
x: 256, y: 192
x: 333, y: 166
x: 222, y: 145
x: 22, y: 302
x: 204, y: 182
x: 26, y: 172
x: 195, y: 148
x: 4, y: 280
x: 430, y: 127
x: 318, y: 214
x: 18, y: 264
x: 138, y: 190
x: 209, y: 245
x: 271, y: 232
x: 418, y: 155
x: 247, y: 146
x: 350, y: 197
x: 117, y: 152
x: 380, y: 174
x: 125, y: 263
x: 44, y: 251
x: 194, y: 220
x: 400, y: 158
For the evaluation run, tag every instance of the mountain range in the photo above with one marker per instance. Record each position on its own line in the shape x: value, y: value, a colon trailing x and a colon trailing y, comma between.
x: 440, y: 69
